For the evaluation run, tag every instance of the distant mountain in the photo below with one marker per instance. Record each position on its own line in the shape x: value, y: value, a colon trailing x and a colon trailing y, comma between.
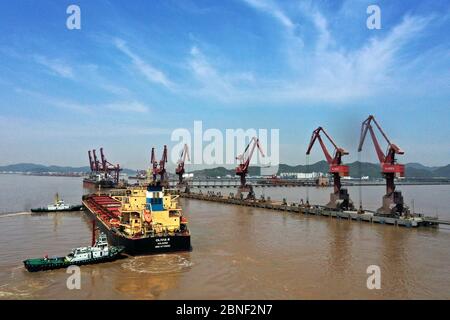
x: 214, y: 172
x: 415, y: 165
x: 442, y: 171
x: 39, y: 168
x: 413, y: 170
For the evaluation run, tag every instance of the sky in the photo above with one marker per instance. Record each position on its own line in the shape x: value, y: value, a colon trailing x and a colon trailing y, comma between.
x: 137, y: 70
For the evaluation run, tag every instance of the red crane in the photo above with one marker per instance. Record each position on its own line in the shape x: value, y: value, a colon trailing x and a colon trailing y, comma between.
x: 162, y: 166
x: 180, y: 165
x: 340, y: 197
x: 244, y: 163
x: 154, y: 163
x: 392, y: 200
x: 96, y: 162
x: 109, y: 168
x: 91, y: 163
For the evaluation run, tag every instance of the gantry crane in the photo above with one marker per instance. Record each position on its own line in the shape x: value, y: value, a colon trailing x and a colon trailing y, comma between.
x: 154, y: 162
x: 96, y: 162
x: 340, y: 198
x: 180, y: 165
x: 162, y: 167
x: 244, y: 163
x: 393, y: 200
x: 103, y: 167
x: 91, y: 162
x: 109, y: 168
x: 161, y: 170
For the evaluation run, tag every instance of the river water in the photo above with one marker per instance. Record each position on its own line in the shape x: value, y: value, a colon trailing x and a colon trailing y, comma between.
x: 238, y: 252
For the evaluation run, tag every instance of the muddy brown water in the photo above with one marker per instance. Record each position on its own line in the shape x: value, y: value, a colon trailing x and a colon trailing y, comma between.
x: 238, y: 252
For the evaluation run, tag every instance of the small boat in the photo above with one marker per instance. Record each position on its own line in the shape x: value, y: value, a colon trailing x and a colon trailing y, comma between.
x: 98, y: 253
x: 58, y: 205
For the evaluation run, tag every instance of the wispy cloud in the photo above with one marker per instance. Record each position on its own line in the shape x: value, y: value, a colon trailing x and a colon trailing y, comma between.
x: 56, y: 66
x: 132, y: 106
x: 211, y: 81
x: 272, y: 9
x: 328, y: 74
x: 84, y: 108
x: 150, y: 72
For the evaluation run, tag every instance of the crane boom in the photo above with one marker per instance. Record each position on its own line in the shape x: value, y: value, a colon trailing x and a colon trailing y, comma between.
x: 392, y: 200
x: 242, y: 168
x: 335, y: 162
x: 109, y: 168
x: 387, y: 161
x: 103, y: 159
x: 180, y: 165
x: 340, y: 197
x: 162, y: 165
x: 91, y: 165
x: 96, y: 162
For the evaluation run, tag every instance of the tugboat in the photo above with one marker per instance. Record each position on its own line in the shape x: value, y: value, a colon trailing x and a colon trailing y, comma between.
x: 99, y: 252
x: 58, y: 205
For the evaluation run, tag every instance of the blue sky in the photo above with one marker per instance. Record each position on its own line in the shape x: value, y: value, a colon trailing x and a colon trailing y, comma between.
x: 137, y: 70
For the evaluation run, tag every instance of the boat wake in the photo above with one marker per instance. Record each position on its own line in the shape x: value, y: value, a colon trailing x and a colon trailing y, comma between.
x: 14, y: 214
x: 20, y: 288
x: 158, y: 264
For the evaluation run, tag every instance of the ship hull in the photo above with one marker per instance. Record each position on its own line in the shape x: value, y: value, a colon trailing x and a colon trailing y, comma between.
x: 72, y: 208
x: 59, y: 262
x: 143, y: 246
x: 88, y: 183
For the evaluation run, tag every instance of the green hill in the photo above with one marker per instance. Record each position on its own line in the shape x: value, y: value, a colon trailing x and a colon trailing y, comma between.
x: 372, y: 170
x: 39, y: 168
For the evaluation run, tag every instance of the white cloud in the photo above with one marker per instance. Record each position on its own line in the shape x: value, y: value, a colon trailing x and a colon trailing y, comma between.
x: 56, y: 66
x: 132, y: 106
x: 84, y: 108
x: 329, y: 74
x: 272, y: 9
x: 212, y: 83
x: 151, y: 73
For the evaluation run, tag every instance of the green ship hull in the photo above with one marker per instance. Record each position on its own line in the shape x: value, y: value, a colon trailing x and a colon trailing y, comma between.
x: 43, y: 264
x: 72, y: 208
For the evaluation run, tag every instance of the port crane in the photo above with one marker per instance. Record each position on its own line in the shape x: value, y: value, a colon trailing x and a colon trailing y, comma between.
x: 393, y: 200
x: 97, y: 165
x: 180, y: 165
x: 161, y: 170
x: 154, y: 163
x: 340, y: 198
x: 103, y: 166
x: 162, y: 167
x: 91, y: 162
x: 244, y: 163
x: 110, y: 169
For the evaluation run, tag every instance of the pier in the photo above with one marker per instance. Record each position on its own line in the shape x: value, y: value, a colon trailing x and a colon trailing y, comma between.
x: 225, y: 183
x: 367, y: 216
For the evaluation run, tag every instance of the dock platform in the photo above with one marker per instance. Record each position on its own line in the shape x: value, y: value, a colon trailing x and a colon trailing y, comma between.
x: 317, y: 210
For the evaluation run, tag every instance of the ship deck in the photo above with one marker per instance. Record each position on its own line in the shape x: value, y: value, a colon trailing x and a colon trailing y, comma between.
x: 104, y: 207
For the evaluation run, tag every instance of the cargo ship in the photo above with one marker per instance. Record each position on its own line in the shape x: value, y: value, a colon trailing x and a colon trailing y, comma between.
x: 93, y: 181
x: 103, y: 173
x: 144, y: 220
